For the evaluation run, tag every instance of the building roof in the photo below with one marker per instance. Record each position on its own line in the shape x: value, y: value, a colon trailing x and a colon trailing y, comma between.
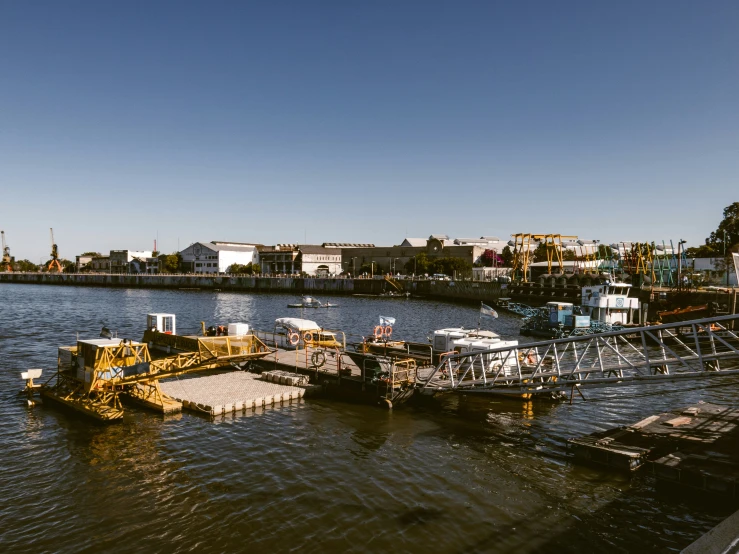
x: 414, y: 242
x: 439, y: 237
x: 347, y: 245
x: 230, y: 246
x: 231, y: 243
x: 315, y: 249
x: 226, y: 246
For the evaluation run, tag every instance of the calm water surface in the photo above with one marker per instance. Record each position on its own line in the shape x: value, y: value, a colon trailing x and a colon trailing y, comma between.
x: 461, y: 475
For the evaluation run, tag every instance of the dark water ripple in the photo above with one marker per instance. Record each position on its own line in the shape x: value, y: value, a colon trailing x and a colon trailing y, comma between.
x: 460, y: 475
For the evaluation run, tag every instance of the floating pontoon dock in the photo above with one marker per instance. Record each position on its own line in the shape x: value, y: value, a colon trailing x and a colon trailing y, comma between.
x: 232, y: 392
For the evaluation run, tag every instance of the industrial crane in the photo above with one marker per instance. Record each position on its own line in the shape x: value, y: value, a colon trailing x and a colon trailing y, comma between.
x: 8, y: 261
x: 54, y: 264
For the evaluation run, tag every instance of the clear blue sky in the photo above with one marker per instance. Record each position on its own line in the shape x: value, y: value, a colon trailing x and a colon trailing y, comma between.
x: 364, y: 121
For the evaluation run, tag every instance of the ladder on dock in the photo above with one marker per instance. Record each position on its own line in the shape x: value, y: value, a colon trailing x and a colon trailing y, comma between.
x: 645, y: 355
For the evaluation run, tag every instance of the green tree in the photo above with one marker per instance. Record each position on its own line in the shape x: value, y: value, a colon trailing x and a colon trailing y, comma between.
x: 243, y: 269
x: 366, y: 267
x: 540, y: 253
x: 726, y: 236
x: 452, y: 266
x: 418, y: 264
x: 724, y: 239
x: 507, y: 256
x: 170, y: 263
x: 604, y: 252
x: 25, y: 265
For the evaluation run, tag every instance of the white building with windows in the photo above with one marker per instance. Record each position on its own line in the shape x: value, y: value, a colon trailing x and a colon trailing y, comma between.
x: 319, y: 261
x: 294, y: 259
x: 217, y: 256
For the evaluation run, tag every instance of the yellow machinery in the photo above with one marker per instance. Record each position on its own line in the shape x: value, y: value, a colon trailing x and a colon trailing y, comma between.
x: 93, y: 375
x: 524, y: 245
x: 8, y: 261
x: 586, y: 256
x: 54, y: 264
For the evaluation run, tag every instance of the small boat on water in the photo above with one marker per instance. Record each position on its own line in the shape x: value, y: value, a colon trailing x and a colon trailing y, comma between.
x: 310, y: 302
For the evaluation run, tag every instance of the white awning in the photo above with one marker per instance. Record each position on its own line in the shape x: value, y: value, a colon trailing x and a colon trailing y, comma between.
x: 298, y: 324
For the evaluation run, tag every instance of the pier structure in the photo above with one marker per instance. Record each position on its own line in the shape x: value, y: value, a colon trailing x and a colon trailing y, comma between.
x: 704, y: 348
x: 387, y: 380
x: 692, y: 449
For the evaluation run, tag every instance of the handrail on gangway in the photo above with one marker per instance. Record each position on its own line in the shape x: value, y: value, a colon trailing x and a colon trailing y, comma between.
x: 683, y: 350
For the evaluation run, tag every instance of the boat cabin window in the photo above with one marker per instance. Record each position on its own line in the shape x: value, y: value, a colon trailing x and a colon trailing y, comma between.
x: 167, y: 324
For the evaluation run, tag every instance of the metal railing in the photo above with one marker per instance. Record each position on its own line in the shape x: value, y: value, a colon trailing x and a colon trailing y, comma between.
x: 685, y: 350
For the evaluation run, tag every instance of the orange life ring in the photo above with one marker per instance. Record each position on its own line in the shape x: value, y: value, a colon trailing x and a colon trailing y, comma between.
x: 388, y: 331
x: 378, y: 332
x: 294, y: 338
x: 530, y: 359
x: 308, y: 336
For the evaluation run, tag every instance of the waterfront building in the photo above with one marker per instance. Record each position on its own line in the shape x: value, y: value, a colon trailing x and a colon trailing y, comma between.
x: 100, y: 264
x: 217, y: 256
x: 82, y: 261
x: 129, y: 261
x: 152, y: 266
x: 709, y: 271
x: 398, y: 259
x: 309, y: 259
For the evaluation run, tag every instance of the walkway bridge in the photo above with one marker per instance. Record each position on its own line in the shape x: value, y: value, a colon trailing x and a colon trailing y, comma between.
x: 645, y: 355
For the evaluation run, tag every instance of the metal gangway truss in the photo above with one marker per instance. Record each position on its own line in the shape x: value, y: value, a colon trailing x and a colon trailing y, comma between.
x: 645, y: 355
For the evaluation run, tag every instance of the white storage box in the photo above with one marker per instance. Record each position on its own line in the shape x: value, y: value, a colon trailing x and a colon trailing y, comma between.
x: 238, y: 329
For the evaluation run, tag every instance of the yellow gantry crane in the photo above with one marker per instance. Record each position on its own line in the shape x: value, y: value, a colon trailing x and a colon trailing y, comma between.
x: 92, y: 375
x: 524, y: 245
x: 8, y: 260
x: 54, y: 264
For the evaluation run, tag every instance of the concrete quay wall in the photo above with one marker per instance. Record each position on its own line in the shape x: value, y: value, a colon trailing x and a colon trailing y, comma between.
x: 466, y: 291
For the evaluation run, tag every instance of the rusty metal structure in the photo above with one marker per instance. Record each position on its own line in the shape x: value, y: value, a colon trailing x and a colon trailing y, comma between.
x: 54, y: 263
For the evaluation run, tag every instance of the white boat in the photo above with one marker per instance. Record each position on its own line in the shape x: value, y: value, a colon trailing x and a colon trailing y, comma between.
x: 310, y: 302
x: 461, y: 340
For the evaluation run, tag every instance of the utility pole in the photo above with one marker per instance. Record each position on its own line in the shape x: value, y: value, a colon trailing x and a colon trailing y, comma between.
x: 726, y: 262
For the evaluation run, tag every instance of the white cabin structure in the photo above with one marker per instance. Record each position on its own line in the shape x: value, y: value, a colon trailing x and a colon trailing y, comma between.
x: 609, y: 303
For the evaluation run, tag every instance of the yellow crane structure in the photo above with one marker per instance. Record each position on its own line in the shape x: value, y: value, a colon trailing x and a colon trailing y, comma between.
x: 586, y: 256
x: 524, y: 245
x: 93, y: 375
x: 8, y: 260
x: 54, y: 264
